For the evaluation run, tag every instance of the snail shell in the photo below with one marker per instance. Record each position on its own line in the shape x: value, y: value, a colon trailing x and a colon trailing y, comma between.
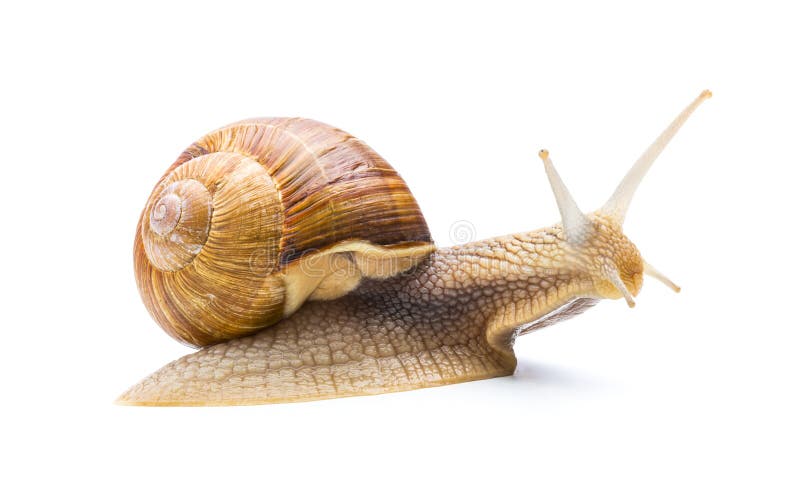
x: 258, y: 216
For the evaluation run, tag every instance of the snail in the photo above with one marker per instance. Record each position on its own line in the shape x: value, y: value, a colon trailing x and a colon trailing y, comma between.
x: 299, y: 263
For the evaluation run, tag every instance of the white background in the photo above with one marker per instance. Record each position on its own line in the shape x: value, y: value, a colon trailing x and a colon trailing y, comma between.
x: 693, y: 393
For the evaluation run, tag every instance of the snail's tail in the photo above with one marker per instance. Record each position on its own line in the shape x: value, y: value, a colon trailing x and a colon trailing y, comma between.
x: 328, y: 349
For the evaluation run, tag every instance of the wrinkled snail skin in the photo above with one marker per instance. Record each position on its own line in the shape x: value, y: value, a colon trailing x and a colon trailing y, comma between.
x: 439, y: 317
x: 425, y: 328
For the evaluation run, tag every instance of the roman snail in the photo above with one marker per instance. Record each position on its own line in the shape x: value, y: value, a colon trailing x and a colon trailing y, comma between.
x: 300, y: 263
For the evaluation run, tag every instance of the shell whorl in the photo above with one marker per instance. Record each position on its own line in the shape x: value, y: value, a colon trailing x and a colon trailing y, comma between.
x: 204, y: 222
x: 178, y: 224
x: 242, y: 205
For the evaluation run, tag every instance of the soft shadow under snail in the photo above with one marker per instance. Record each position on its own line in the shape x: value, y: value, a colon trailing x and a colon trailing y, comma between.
x: 300, y: 263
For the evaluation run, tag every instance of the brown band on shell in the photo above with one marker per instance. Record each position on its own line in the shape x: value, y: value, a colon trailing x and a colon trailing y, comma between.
x: 332, y: 185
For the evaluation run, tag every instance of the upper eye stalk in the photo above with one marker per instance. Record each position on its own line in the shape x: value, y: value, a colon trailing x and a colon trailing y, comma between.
x: 578, y: 227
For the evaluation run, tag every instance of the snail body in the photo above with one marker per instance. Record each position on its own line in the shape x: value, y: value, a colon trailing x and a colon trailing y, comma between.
x: 366, y: 304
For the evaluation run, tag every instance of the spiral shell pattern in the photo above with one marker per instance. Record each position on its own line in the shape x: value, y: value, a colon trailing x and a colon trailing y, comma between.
x: 248, y: 200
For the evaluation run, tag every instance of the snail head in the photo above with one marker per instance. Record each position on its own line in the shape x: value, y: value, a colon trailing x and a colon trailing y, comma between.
x: 596, y: 240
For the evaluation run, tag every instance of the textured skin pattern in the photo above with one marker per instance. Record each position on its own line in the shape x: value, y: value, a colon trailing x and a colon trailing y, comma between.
x: 327, y: 350
x: 453, y: 318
